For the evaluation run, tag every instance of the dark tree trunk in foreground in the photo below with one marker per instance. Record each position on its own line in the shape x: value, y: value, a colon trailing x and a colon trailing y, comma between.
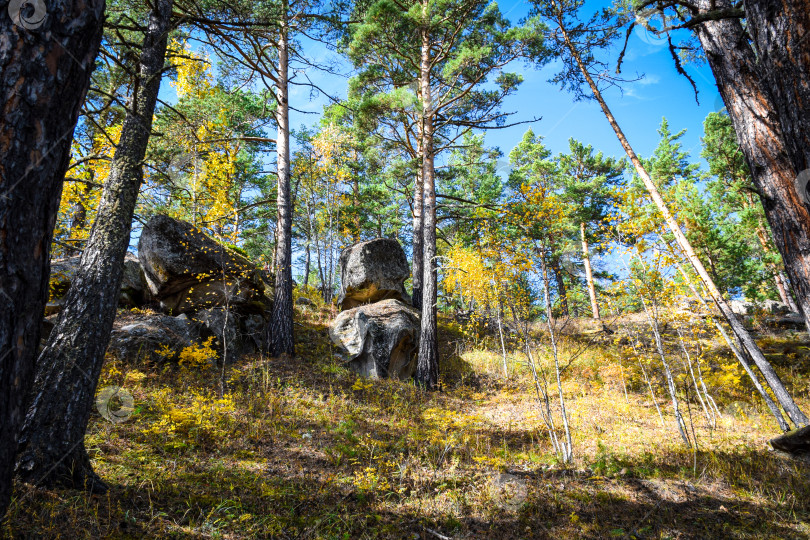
x: 427, y: 367
x: 767, y: 97
x: 281, y: 321
x: 44, y: 76
x: 52, y: 448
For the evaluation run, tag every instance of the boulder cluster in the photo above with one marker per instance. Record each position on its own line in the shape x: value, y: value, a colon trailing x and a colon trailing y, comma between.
x: 378, y: 328
x: 196, y: 287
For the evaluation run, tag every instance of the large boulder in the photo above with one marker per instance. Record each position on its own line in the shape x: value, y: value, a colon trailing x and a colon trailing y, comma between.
x: 152, y: 337
x: 372, y: 271
x: 381, y: 339
x: 134, y: 291
x: 187, y: 271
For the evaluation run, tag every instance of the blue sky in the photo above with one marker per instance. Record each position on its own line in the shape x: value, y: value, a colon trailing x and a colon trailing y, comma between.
x: 639, y: 108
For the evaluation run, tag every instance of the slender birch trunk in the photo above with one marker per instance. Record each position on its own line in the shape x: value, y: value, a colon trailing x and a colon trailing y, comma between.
x: 586, y: 259
x: 771, y: 377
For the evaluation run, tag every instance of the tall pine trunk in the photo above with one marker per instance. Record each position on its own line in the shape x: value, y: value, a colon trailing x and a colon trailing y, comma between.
x: 44, y: 76
x: 562, y: 291
x: 418, y: 222
x: 771, y: 377
x: 427, y: 367
x: 761, y: 99
x: 586, y: 258
x: 281, y: 321
x: 52, y: 441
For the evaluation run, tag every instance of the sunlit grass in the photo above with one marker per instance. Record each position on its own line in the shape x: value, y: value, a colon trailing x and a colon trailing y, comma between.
x: 303, y: 448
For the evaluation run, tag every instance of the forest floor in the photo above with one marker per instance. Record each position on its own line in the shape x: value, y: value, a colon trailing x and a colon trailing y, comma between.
x: 303, y: 448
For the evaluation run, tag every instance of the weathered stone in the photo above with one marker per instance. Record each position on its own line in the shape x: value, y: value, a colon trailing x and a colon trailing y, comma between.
x: 791, y: 321
x: 134, y: 290
x: 304, y: 301
x: 371, y: 271
x: 187, y: 270
x: 140, y: 337
x: 381, y: 339
x: 224, y: 325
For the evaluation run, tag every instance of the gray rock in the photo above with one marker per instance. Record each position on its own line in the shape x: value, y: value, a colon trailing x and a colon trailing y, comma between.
x: 791, y: 321
x: 141, y: 337
x: 134, y: 290
x: 187, y: 270
x: 224, y: 325
x: 741, y: 307
x: 774, y: 307
x: 304, y: 301
x: 63, y: 272
x: 381, y: 339
x: 372, y: 271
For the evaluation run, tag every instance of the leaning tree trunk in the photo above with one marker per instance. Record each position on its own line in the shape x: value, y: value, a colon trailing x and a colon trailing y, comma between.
x: 756, y: 100
x: 52, y: 448
x: 281, y: 320
x: 45, y: 67
x: 427, y: 367
x: 770, y: 375
x: 586, y: 258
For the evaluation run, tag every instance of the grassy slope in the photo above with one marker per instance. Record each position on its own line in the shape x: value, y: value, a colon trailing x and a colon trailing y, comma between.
x: 303, y: 449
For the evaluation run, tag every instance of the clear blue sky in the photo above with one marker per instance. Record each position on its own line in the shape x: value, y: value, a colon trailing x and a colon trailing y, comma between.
x: 639, y: 109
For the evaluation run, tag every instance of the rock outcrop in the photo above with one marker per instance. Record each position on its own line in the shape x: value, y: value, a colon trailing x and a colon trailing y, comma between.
x: 152, y: 337
x: 372, y: 271
x: 188, y: 271
x: 203, y: 289
x: 134, y: 291
x: 378, y: 328
x: 381, y: 339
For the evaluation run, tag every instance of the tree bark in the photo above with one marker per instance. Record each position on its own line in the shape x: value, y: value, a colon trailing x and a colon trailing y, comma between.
x: 51, y: 443
x: 771, y: 377
x: 418, y: 221
x: 44, y: 77
x: 561, y: 289
x: 281, y: 321
x: 758, y: 94
x: 586, y: 258
x: 427, y: 367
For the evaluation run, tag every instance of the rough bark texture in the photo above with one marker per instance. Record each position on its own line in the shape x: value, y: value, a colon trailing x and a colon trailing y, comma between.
x: 766, y: 95
x: 44, y: 76
x: 51, y: 442
x: 281, y: 322
x: 427, y: 367
x: 562, y: 291
x: 418, y: 226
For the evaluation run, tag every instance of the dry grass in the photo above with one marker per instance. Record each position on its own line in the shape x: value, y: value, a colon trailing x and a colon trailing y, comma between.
x: 303, y: 449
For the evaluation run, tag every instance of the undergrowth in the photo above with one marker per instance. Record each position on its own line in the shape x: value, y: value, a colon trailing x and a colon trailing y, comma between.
x: 303, y: 448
